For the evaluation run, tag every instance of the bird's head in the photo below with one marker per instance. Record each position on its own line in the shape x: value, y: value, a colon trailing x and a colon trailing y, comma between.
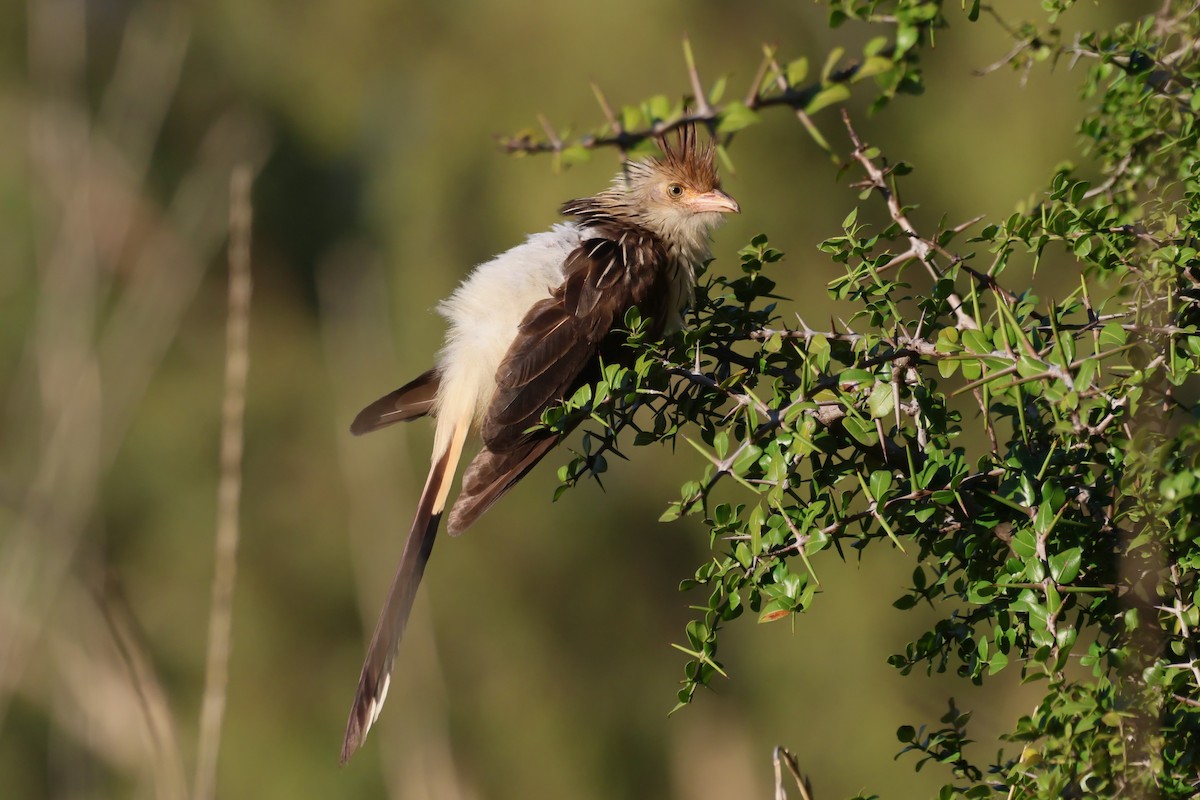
x: 676, y: 196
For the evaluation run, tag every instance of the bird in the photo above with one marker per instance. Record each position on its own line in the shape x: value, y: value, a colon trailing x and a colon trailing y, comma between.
x: 526, y: 330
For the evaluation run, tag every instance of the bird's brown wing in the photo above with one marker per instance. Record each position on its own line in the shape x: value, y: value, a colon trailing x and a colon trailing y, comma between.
x: 554, y: 353
x: 413, y: 399
x: 490, y: 476
x: 561, y: 335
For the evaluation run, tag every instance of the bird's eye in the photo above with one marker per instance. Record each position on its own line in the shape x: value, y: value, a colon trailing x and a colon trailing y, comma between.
x: 675, y: 190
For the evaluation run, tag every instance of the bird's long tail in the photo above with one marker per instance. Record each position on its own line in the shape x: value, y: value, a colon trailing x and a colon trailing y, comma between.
x: 376, y: 672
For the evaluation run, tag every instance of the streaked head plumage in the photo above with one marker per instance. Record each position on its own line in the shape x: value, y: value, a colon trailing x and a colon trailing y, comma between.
x: 688, y: 159
x: 676, y: 195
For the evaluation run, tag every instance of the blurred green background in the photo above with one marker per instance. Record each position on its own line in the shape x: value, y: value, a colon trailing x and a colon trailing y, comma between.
x: 538, y: 663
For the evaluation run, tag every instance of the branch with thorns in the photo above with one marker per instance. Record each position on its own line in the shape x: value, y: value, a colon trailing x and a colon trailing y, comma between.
x: 769, y: 88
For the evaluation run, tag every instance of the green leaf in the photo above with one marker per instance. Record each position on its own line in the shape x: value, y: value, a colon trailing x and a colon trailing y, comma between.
x: 1027, y: 366
x: 1024, y: 544
x: 775, y: 610
x: 631, y: 118
x: 882, y: 402
x: 862, y: 432
x: 735, y: 116
x: 718, y: 90
x: 947, y: 340
x: 582, y: 396
x: 872, y: 66
x: 831, y: 60
x: 658, y: 108
x: 881, y: 482
x: 1064, y: 566
x: 876, y: 46
x: 906, y: 37
x: 838, y: 93
x: 746, y: 459
x: 575, y: 154
x: 796, y: 71
x: 1112, y: 335
x: 977, y: 341
x: 1044, y: 519
x: 721, y: 443
x: 818, y: 352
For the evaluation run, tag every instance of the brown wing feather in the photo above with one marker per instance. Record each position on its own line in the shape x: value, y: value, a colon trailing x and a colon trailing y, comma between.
x: 490, y: 476
x: 560, y: 337
x: 413, y: 399
x: 555, y: 352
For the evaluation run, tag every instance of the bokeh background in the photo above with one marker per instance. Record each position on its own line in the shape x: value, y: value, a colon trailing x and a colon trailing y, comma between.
x: 537, y: 665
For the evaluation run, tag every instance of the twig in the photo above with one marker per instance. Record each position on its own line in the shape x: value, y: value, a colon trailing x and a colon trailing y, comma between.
x: 169, y: 777
x: 613, y: 122
x: 699, y: 97
x: 64, y: 398
x: 784, y: 758
x: 93, y: 368
x: 759, y: 75
x: 796, y: 98
x: 801, y: 113
x: 233, y: 407
x: 925, y: 248
x: 548, y: 129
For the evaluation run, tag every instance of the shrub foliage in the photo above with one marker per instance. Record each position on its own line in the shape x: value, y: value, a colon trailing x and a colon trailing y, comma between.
x: 1038, y: 458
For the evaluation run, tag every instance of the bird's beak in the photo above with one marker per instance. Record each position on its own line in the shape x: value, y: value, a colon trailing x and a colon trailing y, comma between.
x: 716, y: 200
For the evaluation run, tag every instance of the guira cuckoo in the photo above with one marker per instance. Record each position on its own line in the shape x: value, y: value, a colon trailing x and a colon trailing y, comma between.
x: 526, y: 330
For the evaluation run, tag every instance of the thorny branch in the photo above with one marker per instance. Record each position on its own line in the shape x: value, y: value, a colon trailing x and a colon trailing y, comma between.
x: 1166, y: 80
x: 792, y: 412
x: 922, y: 248
x: 762, y: 94
x: 904, y: 351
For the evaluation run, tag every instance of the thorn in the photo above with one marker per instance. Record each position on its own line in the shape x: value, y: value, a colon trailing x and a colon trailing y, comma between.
x: 968, y: 223
x: 920, y: 325
x: 858, y: 145
x: 895, y: 403
x: 555, y: 142
x: 752, y: 96
x: 618, y: 453
x: 698, y: 94
x: 780, y: 78
x: 607, y: 109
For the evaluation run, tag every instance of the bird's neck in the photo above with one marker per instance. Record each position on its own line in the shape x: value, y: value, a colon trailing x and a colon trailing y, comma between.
x: 687, y: 245
x: 685, y: 239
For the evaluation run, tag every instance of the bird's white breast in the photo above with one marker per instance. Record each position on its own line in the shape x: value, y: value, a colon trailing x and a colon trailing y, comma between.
x: 485, y: 311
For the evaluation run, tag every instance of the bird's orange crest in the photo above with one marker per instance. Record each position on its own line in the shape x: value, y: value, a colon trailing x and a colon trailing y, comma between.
x: 690, y: 159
